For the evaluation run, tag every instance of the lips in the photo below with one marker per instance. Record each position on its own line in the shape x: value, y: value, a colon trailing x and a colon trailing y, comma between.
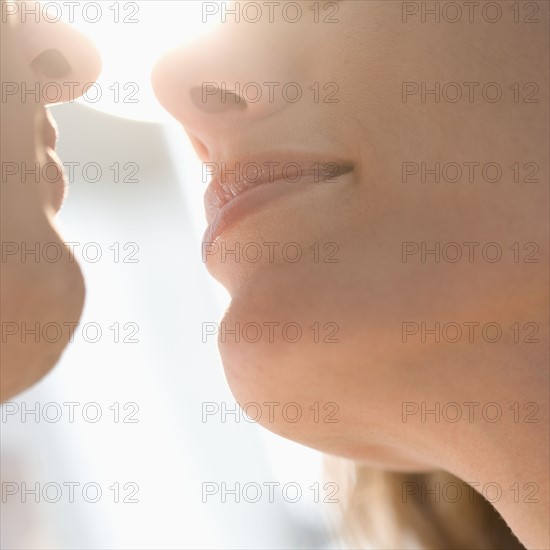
x: 241, y: 186
x: 50, y: 131
x: 52, y: 173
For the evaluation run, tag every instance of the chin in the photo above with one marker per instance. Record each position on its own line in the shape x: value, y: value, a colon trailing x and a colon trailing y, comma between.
x: 278, y: 356
x: 41, y: 295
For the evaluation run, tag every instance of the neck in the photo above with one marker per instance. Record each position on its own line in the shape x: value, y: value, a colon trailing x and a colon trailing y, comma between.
x: 500, y: 445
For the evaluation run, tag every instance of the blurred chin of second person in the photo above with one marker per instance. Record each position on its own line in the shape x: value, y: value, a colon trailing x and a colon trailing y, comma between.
x: 37, y: 55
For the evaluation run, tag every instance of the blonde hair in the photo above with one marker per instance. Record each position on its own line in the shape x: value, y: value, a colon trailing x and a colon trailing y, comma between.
x: 377, y: 511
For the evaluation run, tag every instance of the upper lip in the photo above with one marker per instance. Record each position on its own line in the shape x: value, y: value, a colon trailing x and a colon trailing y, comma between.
x: 50, y: 131
x: 49, y: 140
x: 234, y: 177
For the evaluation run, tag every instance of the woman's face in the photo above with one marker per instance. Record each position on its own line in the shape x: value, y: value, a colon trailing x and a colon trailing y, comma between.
x: 330, y: 281
x: 35, y: 291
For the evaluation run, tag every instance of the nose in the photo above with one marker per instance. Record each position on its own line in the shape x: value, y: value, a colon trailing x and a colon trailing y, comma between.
x: 225, y: 83
x: 61, y: 55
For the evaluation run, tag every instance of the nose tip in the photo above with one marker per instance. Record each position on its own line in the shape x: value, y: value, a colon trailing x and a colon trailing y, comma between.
x: 201, y: 90
x: 58, y: 52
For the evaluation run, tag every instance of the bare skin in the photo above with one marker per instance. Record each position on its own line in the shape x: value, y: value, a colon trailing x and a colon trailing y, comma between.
x: 35, y: 291
x: 372, y: 291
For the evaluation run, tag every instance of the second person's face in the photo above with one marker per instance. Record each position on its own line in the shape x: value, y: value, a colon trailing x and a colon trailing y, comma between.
x: 36, y: 54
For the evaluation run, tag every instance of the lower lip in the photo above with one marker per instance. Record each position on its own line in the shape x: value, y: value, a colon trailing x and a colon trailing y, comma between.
x: 55, y: 178
x: 254, y: 200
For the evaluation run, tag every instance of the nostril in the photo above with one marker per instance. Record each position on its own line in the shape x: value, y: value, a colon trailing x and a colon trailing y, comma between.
x: 52, y: 63
x: 216, y: 101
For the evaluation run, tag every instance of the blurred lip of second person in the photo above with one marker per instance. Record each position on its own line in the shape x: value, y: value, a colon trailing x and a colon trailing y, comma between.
x: 57, y: 54
x: 53, y: 171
